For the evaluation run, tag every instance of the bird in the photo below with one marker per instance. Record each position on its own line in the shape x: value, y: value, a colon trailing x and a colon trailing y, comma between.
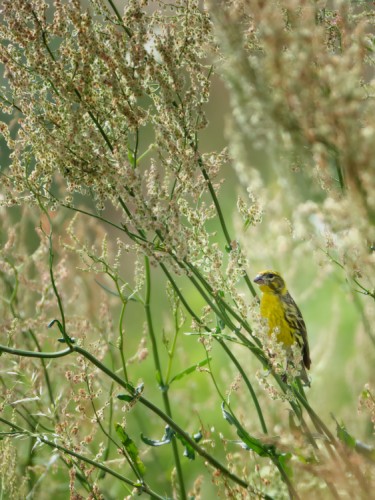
x: 283, y: 315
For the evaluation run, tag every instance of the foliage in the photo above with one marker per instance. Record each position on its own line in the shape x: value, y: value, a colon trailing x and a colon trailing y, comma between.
x: 118, y: 251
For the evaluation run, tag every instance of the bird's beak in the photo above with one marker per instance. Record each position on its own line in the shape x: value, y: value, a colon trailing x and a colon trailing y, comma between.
x: 259, y: 279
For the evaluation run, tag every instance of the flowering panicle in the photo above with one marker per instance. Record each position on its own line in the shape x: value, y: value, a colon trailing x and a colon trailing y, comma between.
x: 103, y: 104
x: 10, y: 481
x: 85, y: 87
x: 299, y: 78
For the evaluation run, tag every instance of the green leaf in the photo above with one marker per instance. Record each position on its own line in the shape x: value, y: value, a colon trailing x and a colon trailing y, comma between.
x: 65, y: 337
x: 344, y: 435
x: 131, y: 448
x: 125, y: 397
x: 72, y: 340
x: 189, y: 370
x: 52, y: 322
x: 228, y: 416
x: 134, y: 392
x: 166, y: 439
x: 139, y: 389
x: 251, y: 442
x: 254, y: 444
x: 189, y: 451
x: 220, y: 324
x: 284, y: 459
x: 262, y: 449
x: 106, y: 289
x: 129, y: 298
x: 197, y: 436
x: 364, y: 449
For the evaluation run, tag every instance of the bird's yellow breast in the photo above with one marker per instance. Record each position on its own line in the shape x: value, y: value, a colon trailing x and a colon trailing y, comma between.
x: 272, y: 309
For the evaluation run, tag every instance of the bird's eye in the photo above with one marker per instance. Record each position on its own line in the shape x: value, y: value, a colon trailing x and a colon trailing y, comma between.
x: 270, y: 275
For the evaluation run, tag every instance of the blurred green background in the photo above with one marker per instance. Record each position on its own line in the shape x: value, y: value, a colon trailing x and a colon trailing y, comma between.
x: 342, y: 356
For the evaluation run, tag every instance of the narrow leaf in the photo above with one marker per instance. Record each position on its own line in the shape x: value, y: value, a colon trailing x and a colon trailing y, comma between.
x: 189, y: 451
x: 284, y: 459
x: 111, y: 292
x: 131, y: 448
x: 25, y: 400
x: 251, y: 442
x: 166, y: 439
x: 343, y: 434
x: 345, y: 437
x: 134, y: 392
x: 125, y: 397
x: 189, y: 370
x: 197, y: 436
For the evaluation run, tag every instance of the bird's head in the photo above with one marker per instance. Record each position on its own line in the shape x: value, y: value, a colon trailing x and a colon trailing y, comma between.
x: 270, y: 282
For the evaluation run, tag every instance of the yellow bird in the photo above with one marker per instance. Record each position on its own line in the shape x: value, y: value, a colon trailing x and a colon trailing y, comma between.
x: 283, y: 315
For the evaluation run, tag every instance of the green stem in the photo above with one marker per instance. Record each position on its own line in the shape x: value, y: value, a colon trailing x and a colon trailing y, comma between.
x: 220, y: 303
x: 180, y: 296
x: 172, y: 350
x: 14, y: 291
x: 109, y: 432
x: 95, y: 216
x: 220, y: 214
x: 117, y: 14
x: 204, y: 295
x: 216, y: 202
x: 51, y: 273
x: 141, y: 487
x: 121, y: 340
x: 35, y: 354
x: 211, y: 460
x: 248, y: 384
x: 292, y: 492
x: 221, y: 396
x: 45, y: 371
x: 149, y: 321
x: 244, y: 340
x: 168, y: 420
x: 110, y: 439
x: 223, y: 345
x: 163, y: 386
x: 145, y: 402
x: 12, y: 300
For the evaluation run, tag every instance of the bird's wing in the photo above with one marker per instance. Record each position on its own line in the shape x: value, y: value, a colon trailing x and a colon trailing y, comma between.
x: 294, y: 318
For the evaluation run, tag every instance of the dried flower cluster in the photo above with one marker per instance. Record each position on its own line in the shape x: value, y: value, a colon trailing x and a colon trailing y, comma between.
x: 303, y: 112
x: 87, y: 90
x: 103, y: 104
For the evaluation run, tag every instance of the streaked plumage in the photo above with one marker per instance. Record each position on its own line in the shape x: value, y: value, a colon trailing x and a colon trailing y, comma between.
x: 283, y: 314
